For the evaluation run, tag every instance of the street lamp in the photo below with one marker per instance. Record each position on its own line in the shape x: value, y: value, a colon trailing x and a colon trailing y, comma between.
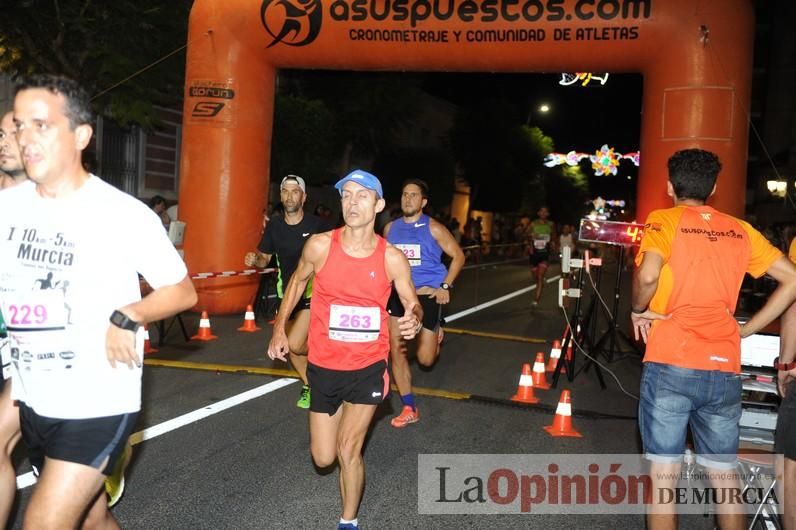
x: 542, y: 109
x: 778, y: 188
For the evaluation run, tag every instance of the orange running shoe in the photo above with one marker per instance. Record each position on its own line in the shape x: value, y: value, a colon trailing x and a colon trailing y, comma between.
x: 406, y: 417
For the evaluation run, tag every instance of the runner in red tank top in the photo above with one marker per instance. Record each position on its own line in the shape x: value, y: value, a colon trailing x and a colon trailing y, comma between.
x: 349, y: 333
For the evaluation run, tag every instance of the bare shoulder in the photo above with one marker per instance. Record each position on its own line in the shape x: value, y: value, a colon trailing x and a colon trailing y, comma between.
x: 436, y: 227
x: 318, y: 244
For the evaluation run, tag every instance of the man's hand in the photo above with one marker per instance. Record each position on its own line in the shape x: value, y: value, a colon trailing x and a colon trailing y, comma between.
x: 409, y: 325
x: 784, y: 378
x: 741, y: 330
x: 120, y: 347
x: 442, y: 296
x: 278, y: 347
x: 250, y: 260
x: 642, y: 322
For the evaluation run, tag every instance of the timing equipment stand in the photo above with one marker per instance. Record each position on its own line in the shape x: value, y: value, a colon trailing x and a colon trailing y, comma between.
x: 576, y: 335
x: 613, y: 336
x: 582, y: 326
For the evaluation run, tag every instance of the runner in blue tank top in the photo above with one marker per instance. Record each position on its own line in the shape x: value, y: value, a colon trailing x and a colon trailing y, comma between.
x: 422, y: 240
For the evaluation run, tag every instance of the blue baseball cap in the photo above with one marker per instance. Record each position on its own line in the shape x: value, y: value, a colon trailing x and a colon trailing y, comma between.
x: 363, y: 178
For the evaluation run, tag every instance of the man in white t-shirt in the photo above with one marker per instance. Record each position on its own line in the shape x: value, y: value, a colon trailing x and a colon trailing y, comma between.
x: 70, y: 295
x: 12, y: 173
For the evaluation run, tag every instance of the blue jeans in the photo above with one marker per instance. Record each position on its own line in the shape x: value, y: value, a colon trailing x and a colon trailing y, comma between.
x: 673, y: 398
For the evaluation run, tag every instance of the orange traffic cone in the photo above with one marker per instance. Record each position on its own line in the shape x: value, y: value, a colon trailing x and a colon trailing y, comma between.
x: 525, y: 389
x: 562, y: 422
x: 539, y: 379
x: 204, y: 329
x: 555, y: 355
x: 148, y: 345
x: 249, y: 324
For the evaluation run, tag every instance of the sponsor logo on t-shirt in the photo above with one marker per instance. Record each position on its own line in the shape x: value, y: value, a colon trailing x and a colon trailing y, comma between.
x: 712, y: 235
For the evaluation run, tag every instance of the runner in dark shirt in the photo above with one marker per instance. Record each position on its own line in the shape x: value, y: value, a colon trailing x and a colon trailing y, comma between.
x: 284, y: 238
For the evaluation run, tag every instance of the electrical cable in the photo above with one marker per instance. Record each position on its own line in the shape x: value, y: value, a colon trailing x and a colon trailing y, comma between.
x: 598, y: 363
x: 139, y: 72
x: 597, y: 292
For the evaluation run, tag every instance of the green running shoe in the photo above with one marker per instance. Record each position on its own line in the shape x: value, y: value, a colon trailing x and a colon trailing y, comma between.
x: 114, y: 483
x: 304, y: 400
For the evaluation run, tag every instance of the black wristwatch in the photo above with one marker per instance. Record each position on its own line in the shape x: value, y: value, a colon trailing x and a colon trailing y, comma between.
x: 445, y: 286
x: 120, y: 320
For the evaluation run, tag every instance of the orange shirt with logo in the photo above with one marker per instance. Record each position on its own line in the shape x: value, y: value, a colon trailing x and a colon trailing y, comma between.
x: 705, y: 256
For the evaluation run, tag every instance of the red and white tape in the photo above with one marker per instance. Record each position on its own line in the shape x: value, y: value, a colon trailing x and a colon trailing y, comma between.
x: 228, y: 274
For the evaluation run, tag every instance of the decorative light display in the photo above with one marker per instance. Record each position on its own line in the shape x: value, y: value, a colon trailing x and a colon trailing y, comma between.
x: 603, y: 209
x: 605, y: 161
x: 585, y: 78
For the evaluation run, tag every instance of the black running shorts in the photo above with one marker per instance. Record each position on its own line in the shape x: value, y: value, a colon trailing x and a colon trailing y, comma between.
x: 432, y: 311
x: 329, y: 388
x: 786, y: 423
x: 539, y: 257
x: 88, y: 441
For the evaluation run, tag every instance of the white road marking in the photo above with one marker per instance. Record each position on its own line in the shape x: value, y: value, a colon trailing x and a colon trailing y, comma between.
x: 479, y: 307
x: 29, y: 479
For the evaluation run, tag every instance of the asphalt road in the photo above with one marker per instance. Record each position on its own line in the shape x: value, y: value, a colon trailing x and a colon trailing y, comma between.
x: 249, y: 466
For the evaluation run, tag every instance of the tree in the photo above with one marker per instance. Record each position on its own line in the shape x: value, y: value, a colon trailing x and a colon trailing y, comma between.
x: 369, y: 109
x: 566, y: 190
x: 302, y: 140
x: 100, y: 44
x: 499, y: 154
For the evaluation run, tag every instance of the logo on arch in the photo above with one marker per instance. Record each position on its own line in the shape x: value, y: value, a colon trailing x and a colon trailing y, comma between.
x: 292, y: 22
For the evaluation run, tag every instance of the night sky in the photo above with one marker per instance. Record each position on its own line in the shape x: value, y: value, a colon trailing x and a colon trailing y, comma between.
x: 580, y: 118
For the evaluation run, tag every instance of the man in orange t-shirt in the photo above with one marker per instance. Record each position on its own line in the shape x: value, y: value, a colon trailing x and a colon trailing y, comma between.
x: 690, y: 266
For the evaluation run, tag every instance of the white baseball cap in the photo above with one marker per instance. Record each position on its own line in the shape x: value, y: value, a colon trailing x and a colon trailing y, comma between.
x: 294, y: 178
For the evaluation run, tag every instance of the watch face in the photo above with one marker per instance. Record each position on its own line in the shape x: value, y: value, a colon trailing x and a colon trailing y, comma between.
x: 123, y: 321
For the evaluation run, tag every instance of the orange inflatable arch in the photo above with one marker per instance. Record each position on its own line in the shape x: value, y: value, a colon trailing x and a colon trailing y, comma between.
x: 696, y: 59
